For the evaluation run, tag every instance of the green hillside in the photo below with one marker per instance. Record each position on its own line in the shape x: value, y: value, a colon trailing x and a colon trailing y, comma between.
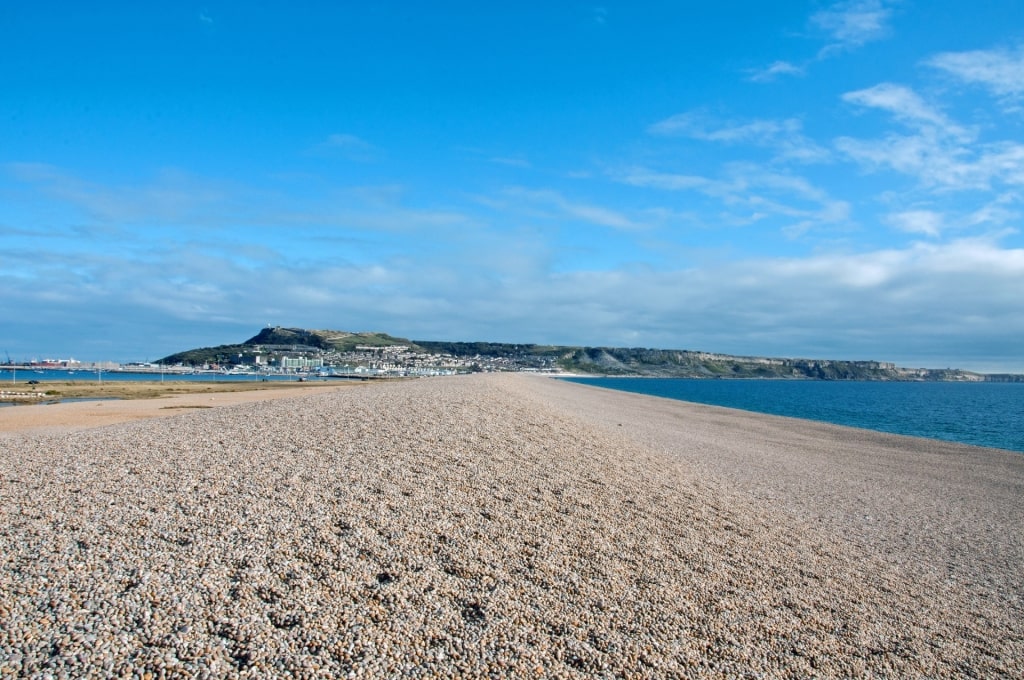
x: 338, y: 341
x: 280, y: 340
x: 277, y: 341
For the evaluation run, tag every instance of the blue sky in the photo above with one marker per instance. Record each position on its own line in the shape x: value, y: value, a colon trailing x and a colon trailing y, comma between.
x: 804, y: 179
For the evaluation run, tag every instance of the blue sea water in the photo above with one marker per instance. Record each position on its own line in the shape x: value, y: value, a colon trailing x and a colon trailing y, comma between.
x: 983, y: 414
x: 17, y: 380
x: 10, y: 379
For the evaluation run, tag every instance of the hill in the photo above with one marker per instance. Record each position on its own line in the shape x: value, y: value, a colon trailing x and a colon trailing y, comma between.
x: 337, y: 341
x: 343, y: 347
x: 274, y: 340
x: 662, y: 363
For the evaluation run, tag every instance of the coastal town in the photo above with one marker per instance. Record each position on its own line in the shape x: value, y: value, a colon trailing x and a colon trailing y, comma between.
x: 362, y: 361
x: 278, y: 352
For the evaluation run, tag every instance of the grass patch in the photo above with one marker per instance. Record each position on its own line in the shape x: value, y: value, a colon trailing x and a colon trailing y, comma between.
x: 117, y: 389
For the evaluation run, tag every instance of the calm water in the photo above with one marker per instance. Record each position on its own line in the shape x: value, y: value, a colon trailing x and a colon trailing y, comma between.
x: 21, y: 376
x: 17, y: 381
x: 984, y: 414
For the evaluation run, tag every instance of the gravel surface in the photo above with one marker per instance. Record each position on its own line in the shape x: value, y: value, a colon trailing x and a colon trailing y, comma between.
x: 67, y: 416
x: 505, y: 526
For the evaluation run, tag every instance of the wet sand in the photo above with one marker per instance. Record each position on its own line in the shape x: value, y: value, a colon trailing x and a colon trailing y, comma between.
x: 505, y: 525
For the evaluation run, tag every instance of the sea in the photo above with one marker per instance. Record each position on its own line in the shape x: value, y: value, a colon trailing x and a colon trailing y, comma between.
x: 983, y: 413
x: 19, y: 377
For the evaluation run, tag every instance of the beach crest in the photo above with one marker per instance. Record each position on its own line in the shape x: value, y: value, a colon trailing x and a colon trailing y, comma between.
x: 504, y: 525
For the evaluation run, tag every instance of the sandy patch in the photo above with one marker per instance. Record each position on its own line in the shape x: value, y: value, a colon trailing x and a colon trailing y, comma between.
x: 66, y: 417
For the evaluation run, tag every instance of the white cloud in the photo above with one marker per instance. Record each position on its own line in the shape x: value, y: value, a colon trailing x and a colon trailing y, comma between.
x: 586, y: 212
x: 940, y: 152
x: 790, y: 184
x: 643, y: 177
x: 1001, y: 71
x: 774, y: 70
x: 752, y: 194
x: 784, y: 136
x: 927, y: 222
x: 698, y: 127
x: 995, y: 219
x: 852, y: 24
x: 906, y: 106
x: 884, y: 304
x: 938, y: 162
x: 170, y: 196
x: 846, y: 26
x: 996, y: 213
x: 192, y: 206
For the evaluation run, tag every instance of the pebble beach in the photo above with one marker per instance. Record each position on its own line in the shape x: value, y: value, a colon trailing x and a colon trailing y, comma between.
x: 504, y: 525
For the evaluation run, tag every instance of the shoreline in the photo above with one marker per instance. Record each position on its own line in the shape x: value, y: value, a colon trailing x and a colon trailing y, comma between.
x: 507, y: 525
x: 904, y: 411
x: 157, y: 400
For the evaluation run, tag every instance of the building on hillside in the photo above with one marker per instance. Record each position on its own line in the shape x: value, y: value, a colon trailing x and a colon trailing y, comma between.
x: 295, y: 363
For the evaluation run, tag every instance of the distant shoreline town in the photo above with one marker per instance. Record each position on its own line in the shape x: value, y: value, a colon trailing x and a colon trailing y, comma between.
x: 294, y: 351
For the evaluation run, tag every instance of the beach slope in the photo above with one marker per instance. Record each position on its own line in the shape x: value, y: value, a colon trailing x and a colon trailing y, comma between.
x: 505, y: 525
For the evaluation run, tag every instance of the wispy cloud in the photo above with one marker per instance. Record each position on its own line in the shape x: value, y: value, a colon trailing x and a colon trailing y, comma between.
x: 587, y: 212
x: 1001, y: 71
x: 348, y: 145
x: 644, y: 177
x: 699, y: 127
x: 994, y: 219
x: 845, y: 26
x: 511, y: 161
x: 784, y: 136
x: 886, y: 304
x: 774, y: 71
x: 927, y: 222
x: 937, y: 162
x: 195, y: 206
x: 995, y: 213
x: 850, y: 25
x: 751, y: 194
x: 170, y: 196
x: 939, y: 152
x: 906, y: 106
